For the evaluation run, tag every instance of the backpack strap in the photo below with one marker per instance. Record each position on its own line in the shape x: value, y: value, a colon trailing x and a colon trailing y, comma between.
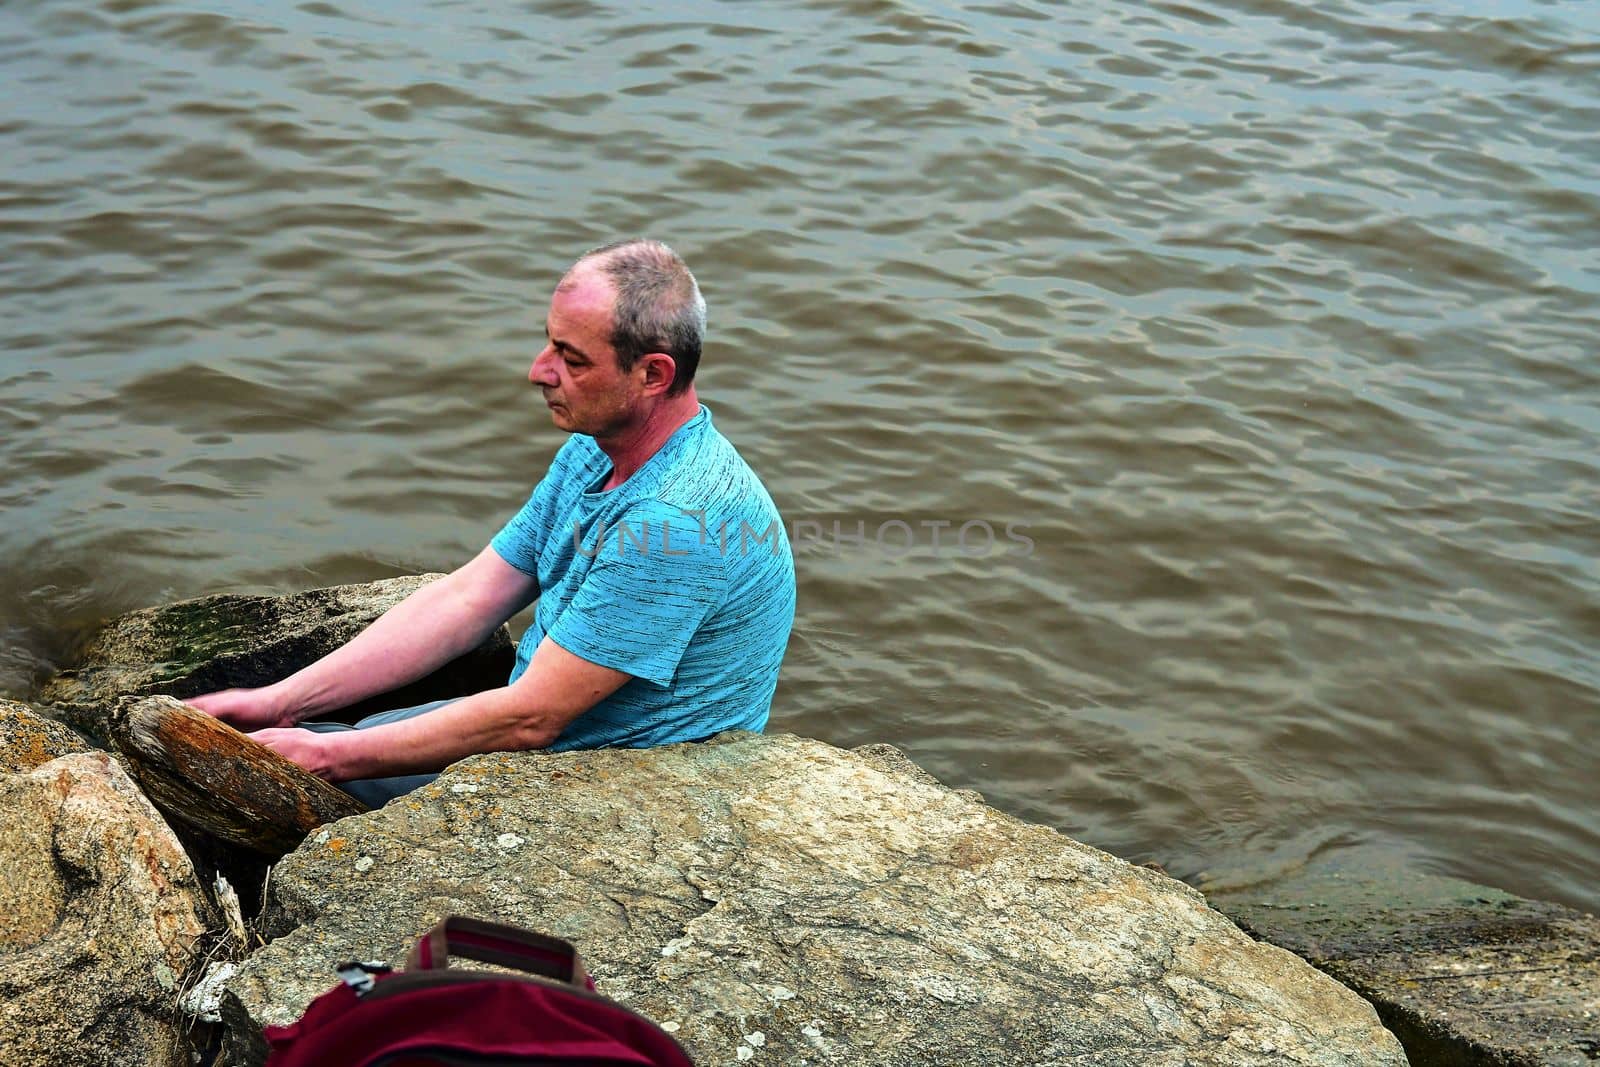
x: 504, y: 946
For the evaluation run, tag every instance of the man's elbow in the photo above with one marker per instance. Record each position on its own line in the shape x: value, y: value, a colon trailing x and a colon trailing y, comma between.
x: 533, y: 733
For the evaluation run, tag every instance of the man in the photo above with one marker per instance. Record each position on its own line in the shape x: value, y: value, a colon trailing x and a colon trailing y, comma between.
x: 664, y: 580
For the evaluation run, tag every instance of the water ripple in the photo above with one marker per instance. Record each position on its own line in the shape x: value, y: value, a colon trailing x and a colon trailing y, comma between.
x: 1269, y: 328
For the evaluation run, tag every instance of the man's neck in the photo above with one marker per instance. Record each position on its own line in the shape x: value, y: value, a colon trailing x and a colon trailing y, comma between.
x: 633, y: 447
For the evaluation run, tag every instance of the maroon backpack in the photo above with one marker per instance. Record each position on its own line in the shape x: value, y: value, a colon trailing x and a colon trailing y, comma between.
x: 432, y: 1015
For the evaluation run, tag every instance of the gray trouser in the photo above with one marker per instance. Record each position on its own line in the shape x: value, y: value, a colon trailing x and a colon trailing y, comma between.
x: 376, y: 792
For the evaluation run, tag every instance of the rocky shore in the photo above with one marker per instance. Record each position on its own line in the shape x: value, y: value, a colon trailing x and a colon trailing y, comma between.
x: 768, y: 898
x: 1462, y: 973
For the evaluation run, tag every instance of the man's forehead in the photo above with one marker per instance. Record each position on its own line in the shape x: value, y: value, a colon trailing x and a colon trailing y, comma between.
x: 583, y: 291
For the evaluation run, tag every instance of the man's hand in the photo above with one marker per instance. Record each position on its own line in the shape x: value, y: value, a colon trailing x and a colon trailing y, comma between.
x: 308, y: 748
x: 245, y: 709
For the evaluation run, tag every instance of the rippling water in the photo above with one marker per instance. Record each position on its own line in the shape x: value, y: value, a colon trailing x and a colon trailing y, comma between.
x: 1271, y: 325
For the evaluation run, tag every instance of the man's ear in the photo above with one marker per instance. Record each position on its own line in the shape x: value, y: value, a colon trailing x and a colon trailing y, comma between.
x: 660, y: 371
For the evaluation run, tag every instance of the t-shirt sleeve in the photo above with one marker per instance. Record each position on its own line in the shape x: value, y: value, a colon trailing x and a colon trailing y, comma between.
x: 644, y: 598
x: 522, y: 539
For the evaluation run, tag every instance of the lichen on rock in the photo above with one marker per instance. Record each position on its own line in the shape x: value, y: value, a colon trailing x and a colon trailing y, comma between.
x: 29, y: 739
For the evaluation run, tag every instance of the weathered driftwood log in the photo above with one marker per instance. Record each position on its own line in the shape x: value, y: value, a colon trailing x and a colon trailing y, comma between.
x: 212, y: 777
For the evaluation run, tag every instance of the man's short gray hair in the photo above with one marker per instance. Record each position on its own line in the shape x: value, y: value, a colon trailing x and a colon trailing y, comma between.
x: 658, y: 306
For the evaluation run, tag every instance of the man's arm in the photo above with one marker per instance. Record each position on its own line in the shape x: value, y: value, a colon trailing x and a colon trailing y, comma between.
x: 426, y: 630
x: 556, y: 688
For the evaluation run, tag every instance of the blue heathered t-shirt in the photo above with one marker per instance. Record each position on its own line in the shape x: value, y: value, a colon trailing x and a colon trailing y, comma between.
x: 681, y: 576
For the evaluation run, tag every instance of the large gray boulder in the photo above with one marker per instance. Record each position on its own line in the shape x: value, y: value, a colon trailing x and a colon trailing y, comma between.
x: 232, y: 640
x: 29, y: 740
x: 776, y: 900
x: 1463, y: 973
x: 102, y: 919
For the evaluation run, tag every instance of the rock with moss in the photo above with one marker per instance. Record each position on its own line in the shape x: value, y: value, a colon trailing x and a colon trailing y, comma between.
x: 1463, y: 973
x: 771, y: 899
x: 103, y: 920
x: 220, y: 642
x: 29, y: 740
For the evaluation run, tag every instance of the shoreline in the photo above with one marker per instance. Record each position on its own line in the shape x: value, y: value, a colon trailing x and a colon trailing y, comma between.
x: 1433, y: 955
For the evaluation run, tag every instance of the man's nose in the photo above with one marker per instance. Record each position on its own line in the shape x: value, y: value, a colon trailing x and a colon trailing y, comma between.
x: 542, y: 372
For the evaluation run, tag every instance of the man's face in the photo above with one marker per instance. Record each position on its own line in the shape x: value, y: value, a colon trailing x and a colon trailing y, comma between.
x: 577, y: 369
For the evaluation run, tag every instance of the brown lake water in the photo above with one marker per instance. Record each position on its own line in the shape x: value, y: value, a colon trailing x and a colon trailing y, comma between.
x: 1270, y: 327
